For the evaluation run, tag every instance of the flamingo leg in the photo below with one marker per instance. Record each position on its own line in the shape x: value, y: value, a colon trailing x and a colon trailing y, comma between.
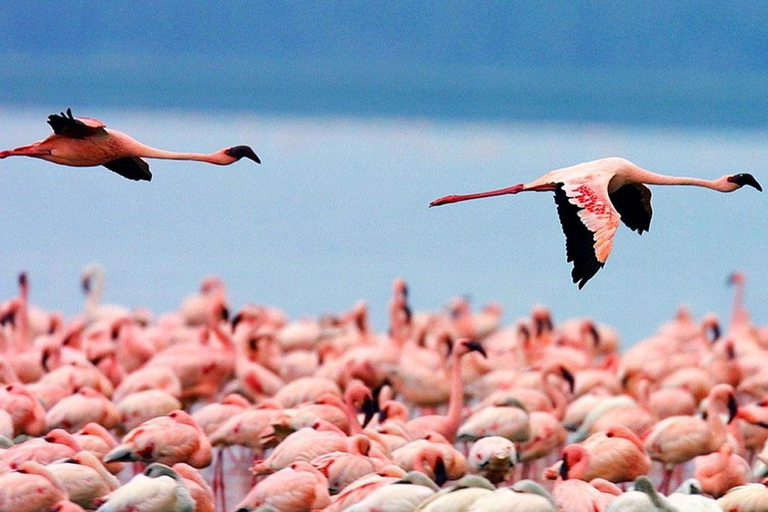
x: 220, y: 475
x: 664, y: 486
x: 32, y: 150
x: 514, y: 189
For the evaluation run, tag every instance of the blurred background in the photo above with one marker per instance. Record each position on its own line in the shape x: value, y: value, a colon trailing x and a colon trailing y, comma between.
x: 363, y: 112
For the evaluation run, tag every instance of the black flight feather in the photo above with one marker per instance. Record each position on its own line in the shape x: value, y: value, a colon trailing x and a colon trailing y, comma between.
x: 579, y: 240
x: 67, y: 126
x: 130, y: 167
x: 633, y: 202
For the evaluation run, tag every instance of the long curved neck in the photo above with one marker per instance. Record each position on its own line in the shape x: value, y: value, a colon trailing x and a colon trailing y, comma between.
x: 142, y: 150
x: 716, y: 426
x: 456, y: 399
x: 556, y: 396
x: 93, y: 299
x: 651, y: 178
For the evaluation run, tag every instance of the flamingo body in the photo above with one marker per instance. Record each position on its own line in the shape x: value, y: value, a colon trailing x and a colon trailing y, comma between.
x: 594, y: 197
x: 86, y: 142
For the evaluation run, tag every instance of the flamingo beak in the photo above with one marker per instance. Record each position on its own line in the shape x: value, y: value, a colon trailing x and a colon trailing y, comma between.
x: 733, y: 408
x: 382, y: 415
x: 9, y: 317
x: 370, y: 408
x: 564, y: 469
x: 474, y: 346
x: 441, y: 474
x: 745, y: 179
x: 568, y: 376
x: 716, y: 333
x: 595, y: 334
x: 86, y: 285
x: 239, y: 152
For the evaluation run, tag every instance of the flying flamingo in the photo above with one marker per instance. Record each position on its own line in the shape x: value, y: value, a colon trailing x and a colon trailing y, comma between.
x: 86, y: 142
x: 593, y: 196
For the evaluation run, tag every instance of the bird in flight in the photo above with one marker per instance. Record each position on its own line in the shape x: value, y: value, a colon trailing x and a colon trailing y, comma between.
x: 592, y: 197
x: 85, y: 142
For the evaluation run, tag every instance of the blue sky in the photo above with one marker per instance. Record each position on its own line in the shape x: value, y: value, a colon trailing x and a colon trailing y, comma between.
x: 362, y: 113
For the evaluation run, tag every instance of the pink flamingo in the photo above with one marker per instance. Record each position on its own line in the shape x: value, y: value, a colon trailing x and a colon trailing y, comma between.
x: 434, y: 456
x: 448, y: 425
x: 86, y: 142
x: 30, y: 487
x: 27, y: 413
x: 210, y: 418
x: 77, y: 410
x: 85, y: 478
x: 57, y: 444
x: 169, y: 439
x: 296, y: 488
x: 342, y: 468
x: 198, y: 488
x: 493, y: 457
x: 97, y: 440
x: 616, y: 456
x: 363, y: 486
x: 718, y: 472
x: 592, y: 197
x: 308, y: 443
x: 678, y: 439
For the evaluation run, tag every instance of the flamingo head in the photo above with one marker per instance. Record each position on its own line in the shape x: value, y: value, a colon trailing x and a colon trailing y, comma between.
x: 471, y: 346
x: 238, y: 152
x: 739, y: 180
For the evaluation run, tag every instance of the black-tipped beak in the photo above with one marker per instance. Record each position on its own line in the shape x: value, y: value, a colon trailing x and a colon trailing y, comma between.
x: 745, y: 179
x: 86, y: 283
x: 9, y: 317
x: 594, y: 333
x: 441, y: 474
x: 382, y: 415
x: 225, y: 314
x: 733, y: 408
x: 22, y: 279
x: 243, y: 152
x: 236, y: 320
x: 568, y: 376
x: 564, y: 470
x: 716, y: 333
x: 370, y: 408
x: 474, y: 346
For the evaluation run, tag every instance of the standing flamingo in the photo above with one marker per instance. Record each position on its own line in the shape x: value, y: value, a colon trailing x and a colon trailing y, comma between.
x: 678, y: 439
x: 593, y: 196
x: 86, y: 142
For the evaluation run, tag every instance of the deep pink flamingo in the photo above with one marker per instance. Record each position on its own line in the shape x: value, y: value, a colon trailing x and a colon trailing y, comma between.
x: 593, y: 196
x: 86, y: 142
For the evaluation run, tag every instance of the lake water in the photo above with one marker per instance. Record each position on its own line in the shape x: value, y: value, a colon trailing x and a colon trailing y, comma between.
x: 338, y: 209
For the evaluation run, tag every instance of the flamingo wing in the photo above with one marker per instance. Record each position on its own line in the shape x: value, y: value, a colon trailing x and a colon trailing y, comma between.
x: 131, y: 167
x: 75, y: 128
x: 633, y: 202
x: 589, y: 221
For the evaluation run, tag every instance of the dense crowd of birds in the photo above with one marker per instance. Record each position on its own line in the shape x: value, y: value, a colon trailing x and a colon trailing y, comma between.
x: 119, y: 410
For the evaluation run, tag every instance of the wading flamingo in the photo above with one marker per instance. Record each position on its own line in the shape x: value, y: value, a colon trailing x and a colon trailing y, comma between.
x: 593, y: 196
x: 86, y: 142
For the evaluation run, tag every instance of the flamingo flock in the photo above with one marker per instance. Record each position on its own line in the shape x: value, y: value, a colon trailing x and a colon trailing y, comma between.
x: 209, y: 409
